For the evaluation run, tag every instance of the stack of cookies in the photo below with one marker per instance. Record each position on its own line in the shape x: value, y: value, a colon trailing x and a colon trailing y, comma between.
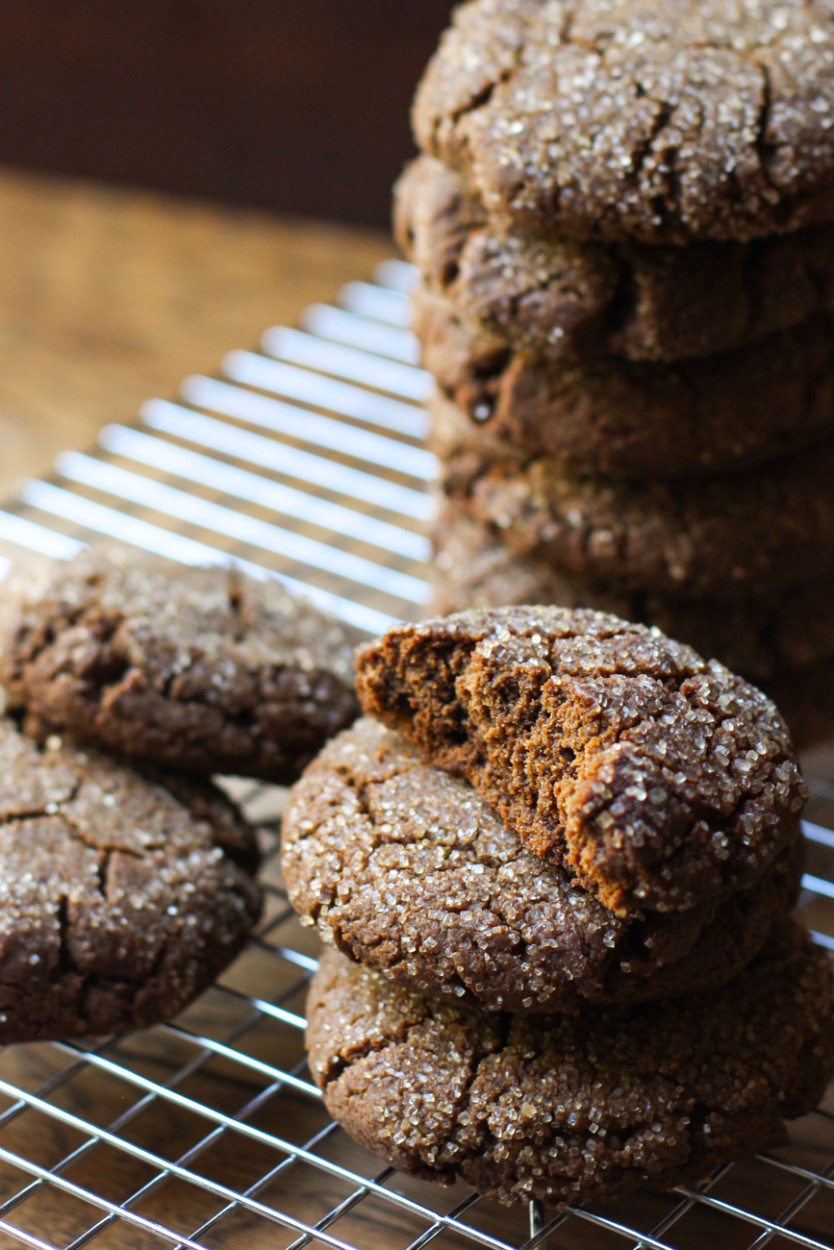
x: 554, y: 866
x: 128, y: 879
x: 623, y: 219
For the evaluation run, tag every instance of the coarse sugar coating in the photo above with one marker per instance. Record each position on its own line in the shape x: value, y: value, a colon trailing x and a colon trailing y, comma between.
x: 658, y: 779
x: 124, y: 893
x: 663, y: 121
x: 718, y: 538
x: 758, y: 636
x: 690, y: 419
x: 406, y: 869
x: 202, y: 669
x: 564, y: 299
x: 574, y: 1109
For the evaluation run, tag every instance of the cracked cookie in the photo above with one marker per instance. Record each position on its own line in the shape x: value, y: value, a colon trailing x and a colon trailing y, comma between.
x: 759, y: 636
x: 561, y: 298
x: 716, y: 538
x: 574, y: 1109
x: 124, y: 893
x: 658, y: 779
x: 723, y: 414
x: 612, y: 119
x: 406, y: 869
x: 202, y: 669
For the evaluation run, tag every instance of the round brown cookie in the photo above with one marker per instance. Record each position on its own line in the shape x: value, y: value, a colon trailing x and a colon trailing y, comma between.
x: 716, y: 538
x: 691, y: 119
x: 574, y: 1109
x: 406, y: 869
x: 720, y: 414
x: 658, y: 779
x: 202, y: 669
x: 758, y: 636
x: 563, y: 298
x: 123, y: 893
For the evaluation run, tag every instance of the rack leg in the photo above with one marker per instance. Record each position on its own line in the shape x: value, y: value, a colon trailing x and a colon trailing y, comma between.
x: 537, y: 1220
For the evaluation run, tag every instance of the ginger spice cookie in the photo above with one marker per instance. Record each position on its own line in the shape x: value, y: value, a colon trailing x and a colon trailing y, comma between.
x: 124, y: 893
x: 610, y: 119
x: 561, y: 299
x: 574, y: 1109
x: 721, y: 414
x: 202, y: 669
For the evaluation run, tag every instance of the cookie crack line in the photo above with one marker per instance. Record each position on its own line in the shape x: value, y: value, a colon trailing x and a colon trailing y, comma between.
x: 665, y: 114
x: 81, y: 835
x: 567, y: 25
x: 483, y: 97
x: 66, y: 963
x: 41, y: 812
x: 339, y: 1064
x: 502, y: 1026
x: 763, y: 123
x: 236, y: 599
x: 103, y: 872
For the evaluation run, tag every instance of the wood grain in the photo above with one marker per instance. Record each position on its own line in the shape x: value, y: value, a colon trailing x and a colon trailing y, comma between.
x: 108, y: 297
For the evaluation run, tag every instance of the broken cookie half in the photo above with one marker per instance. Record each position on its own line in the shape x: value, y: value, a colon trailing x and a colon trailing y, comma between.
x: 658, y: 778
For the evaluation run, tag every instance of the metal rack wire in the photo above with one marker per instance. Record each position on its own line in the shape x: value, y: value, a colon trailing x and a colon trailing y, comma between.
x: 304, y: 461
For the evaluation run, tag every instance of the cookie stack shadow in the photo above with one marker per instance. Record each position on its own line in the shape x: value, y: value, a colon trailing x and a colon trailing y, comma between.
x: 635, y: 395
x: 554, y: 865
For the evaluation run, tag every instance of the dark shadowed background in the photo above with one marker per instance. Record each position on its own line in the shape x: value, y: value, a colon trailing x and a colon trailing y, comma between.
x: 296, y: 105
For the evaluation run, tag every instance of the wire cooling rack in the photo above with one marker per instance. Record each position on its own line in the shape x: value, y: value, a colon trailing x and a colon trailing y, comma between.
x: 304, y: 460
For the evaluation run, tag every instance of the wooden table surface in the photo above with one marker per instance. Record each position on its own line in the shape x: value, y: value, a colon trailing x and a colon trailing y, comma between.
x: 108, y: 297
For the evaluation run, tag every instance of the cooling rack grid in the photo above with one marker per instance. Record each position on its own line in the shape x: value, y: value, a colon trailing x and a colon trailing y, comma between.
x: 304, y: 460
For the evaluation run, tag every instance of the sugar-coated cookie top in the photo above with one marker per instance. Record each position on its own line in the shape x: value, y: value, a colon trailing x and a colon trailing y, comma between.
x: 665, y: 120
